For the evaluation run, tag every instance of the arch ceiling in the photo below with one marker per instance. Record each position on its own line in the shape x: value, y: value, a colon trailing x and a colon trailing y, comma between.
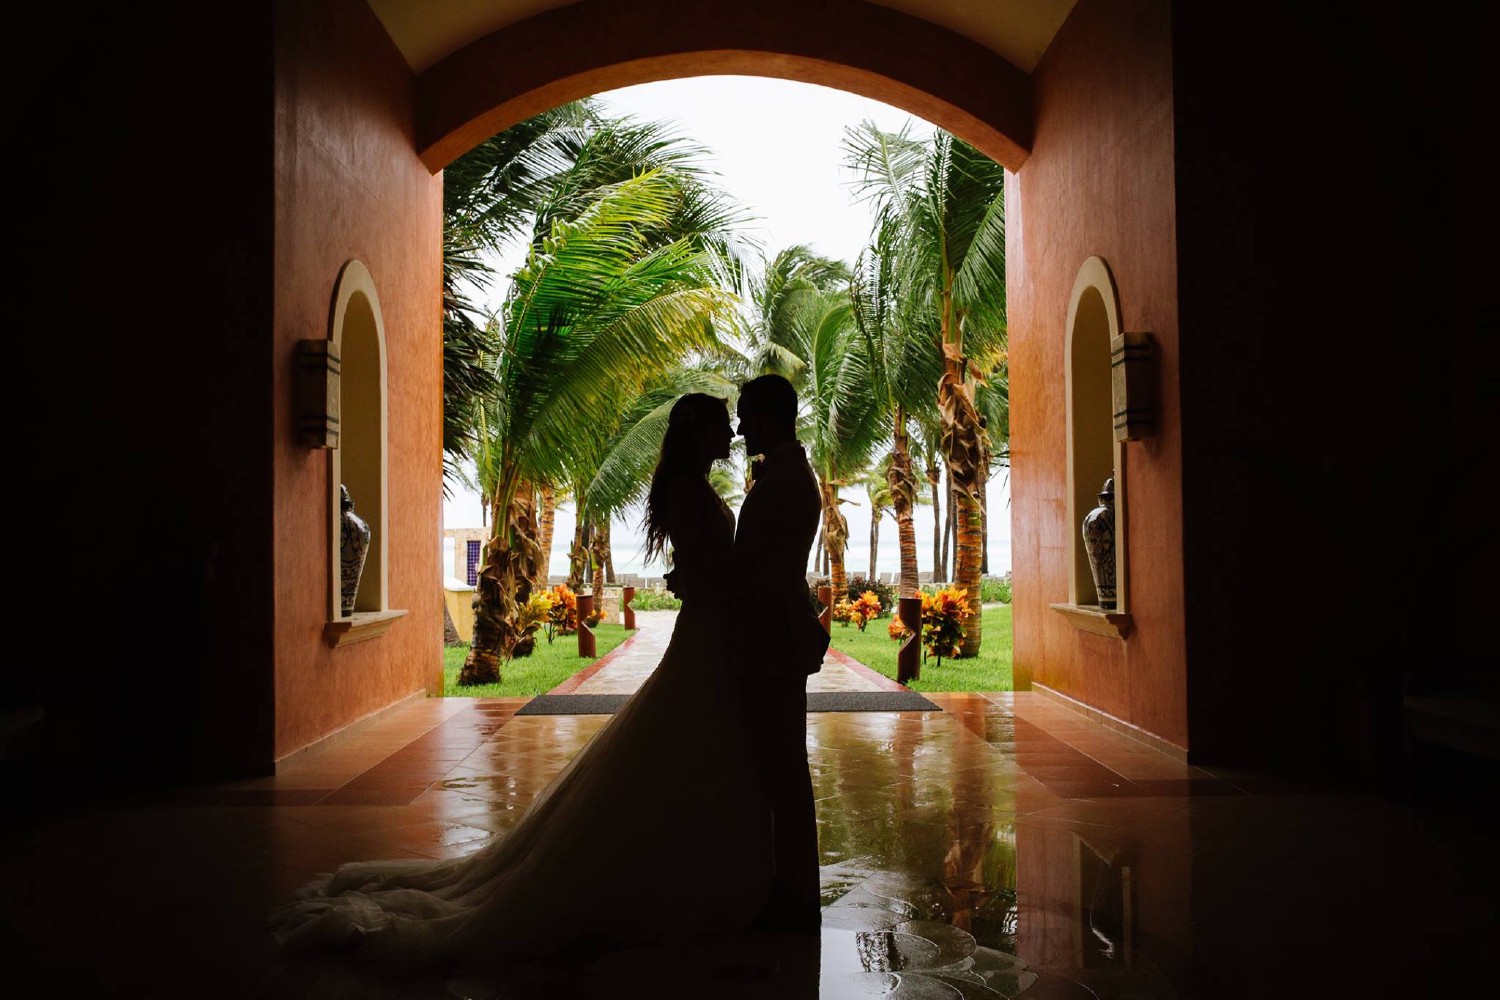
x: 482, y: 65
x: 1018, y: 31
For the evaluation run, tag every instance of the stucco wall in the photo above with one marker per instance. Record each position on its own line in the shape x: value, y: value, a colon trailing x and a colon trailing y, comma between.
x: 348, y: 184
x: 1099, y: 182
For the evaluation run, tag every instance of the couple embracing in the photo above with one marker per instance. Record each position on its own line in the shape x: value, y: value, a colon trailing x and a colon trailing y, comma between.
x: 690, y: 813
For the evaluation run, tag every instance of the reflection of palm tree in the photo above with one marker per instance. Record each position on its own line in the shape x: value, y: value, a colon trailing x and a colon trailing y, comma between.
x: 971, y: 825
x: 947, y: 201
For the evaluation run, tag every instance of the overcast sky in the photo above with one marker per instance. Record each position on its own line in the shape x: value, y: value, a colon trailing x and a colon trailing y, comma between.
x: 777, y: 148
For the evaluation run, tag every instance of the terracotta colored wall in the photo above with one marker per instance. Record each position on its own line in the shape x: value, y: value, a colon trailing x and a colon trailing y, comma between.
x: 1099, y: 182
x: 348, y: 184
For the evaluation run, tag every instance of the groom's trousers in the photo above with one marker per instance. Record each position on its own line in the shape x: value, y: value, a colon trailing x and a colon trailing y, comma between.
x: 776, y: 716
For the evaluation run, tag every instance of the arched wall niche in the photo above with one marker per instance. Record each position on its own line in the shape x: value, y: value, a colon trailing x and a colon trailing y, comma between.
x: 1093, y: 453
x: 360, y: 461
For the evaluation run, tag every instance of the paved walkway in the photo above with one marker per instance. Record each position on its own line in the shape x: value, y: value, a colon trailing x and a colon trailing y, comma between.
x: 628, y: 665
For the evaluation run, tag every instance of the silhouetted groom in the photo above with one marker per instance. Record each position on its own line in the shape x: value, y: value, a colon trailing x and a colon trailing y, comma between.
x: 776, y: 640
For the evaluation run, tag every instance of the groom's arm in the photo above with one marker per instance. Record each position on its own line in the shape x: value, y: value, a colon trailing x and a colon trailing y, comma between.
x: 772, y: 547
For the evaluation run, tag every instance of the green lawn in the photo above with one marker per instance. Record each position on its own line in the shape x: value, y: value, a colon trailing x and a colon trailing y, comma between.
x: 538, y: 673
x: 989, y: 671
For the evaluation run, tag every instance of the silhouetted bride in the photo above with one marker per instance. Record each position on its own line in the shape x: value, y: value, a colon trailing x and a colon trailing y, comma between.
x: 655, y: 831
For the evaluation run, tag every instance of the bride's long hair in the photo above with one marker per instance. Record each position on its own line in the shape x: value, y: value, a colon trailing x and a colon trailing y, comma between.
x: 681, y: 455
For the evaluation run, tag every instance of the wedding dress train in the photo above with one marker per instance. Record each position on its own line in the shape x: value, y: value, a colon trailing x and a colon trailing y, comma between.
x: 653, y: 832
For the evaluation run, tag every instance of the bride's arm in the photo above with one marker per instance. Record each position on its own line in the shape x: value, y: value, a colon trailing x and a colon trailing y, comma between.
x: 689, y: 535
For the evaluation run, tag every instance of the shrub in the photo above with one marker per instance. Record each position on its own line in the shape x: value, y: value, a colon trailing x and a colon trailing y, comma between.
x: 991, y: 591
x: 943, y: 621
x: 533, y: 615
x: 860, y: 612
x: 655, y: 600
x: 562, y: 616
x: 884, y: 592
x: 897, y: 629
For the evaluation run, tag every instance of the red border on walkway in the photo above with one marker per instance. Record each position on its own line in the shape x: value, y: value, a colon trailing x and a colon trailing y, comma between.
x: 569, y: 685
x: 870, y: 674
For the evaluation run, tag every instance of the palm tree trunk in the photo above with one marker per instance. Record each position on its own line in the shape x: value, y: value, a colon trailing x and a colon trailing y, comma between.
x: 818, y: 550
x: 937, y: 524
x: 596, y: 554
x: 966, y: 571
x: 836, y: 538
x: 963, y: 439
x: 984, y: 519
x: 502, y: 585
x: 609, y: 556
x: 948, y: 531
x: 578, y: 555
x: 874, y: 540
x: 904, y: 497
x: 548, y: 522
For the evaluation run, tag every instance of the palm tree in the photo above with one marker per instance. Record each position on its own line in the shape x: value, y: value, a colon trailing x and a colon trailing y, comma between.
x: 546, y: 521
x: 602, y: 299
x: 490, y: 197
x: 992, y: 398
x: 622, y: 474
x: 614, y: 469
x: 878, y: 493
x: 782, y: 288
x: 947, y: 199
x: 841, y: 418
x: 901, y: 366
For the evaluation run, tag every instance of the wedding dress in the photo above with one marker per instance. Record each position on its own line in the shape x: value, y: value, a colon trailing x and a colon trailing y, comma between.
x: 655, y: 831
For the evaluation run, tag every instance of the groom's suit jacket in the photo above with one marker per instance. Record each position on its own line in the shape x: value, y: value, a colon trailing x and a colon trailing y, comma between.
x: 775, y: 631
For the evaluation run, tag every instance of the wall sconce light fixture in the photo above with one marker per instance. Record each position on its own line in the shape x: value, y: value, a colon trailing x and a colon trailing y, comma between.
x: 318, y: 393
x: 1132, y: 386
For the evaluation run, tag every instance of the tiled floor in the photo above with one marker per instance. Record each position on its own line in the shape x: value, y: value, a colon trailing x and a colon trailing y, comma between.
x: 1003, y: 846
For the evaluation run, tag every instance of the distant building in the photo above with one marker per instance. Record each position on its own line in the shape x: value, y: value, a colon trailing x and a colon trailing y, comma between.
x: 468, y: 550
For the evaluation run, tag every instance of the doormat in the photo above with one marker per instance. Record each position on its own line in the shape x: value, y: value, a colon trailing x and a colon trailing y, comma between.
x: 817, y: 701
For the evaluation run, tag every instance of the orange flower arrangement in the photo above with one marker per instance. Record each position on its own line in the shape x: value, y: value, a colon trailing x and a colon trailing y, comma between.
x: 562, y: 615
x: 860, y: 612
x: 943, y: 621
x: 531, y: 616
x: 866, y: 609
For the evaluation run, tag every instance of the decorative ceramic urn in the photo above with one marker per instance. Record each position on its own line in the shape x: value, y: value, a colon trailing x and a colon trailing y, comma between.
x: 1099, y: 542
x: 354, y: 545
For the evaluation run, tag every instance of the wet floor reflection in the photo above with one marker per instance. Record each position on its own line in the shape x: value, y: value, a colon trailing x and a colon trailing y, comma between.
x: 920, y: 816
x: 1003, y: 846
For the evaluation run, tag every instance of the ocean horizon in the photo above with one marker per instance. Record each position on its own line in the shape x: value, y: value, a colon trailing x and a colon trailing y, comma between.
x: 628, y: 540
